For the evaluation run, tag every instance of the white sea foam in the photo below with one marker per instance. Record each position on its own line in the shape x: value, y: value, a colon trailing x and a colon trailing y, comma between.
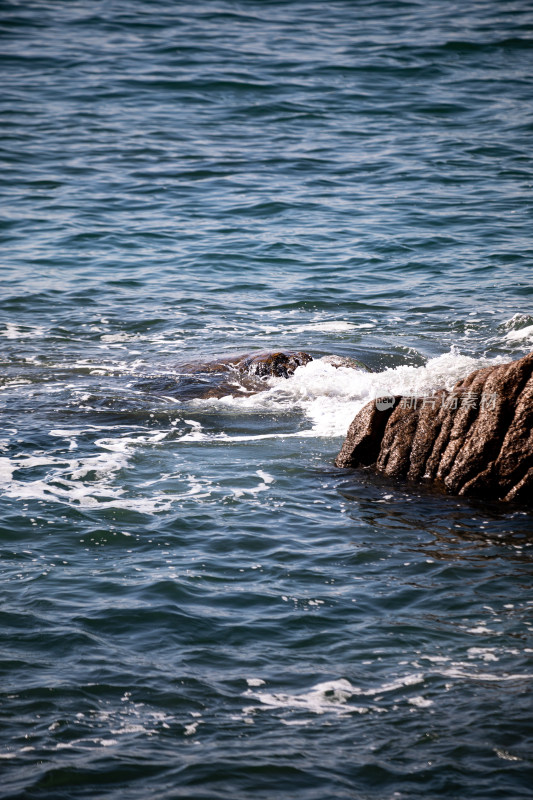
x: 118, y: 337
x: 505, y: 755
x: 516, y: 322
x: 519, y: 328
x: 266, y: 479
x: 521, y: 333
x: 85, y: 482
x: 485, y: 653
x: 420, y: 702
x: 6, y: 469
x: 325, y: 326
x: 14, y: 384
x: 462, y: 671
x: 12, y: 331
x: 190, y: 729
x: 330, y: 696
x: 330, y: 396
x: 329, y: 326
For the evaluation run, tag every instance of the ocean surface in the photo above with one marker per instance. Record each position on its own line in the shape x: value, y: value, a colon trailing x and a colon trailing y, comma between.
x: 195, y: 603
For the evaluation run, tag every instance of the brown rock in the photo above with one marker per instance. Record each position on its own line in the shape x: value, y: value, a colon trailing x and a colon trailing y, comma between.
x: 364, y: 437
x: 476, y: 440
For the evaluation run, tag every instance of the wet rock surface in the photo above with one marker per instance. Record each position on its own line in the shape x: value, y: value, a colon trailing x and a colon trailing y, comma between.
x: 226, y: 376
x: 476, y: 440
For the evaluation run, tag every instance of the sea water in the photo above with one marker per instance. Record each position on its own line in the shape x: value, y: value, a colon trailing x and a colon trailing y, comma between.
x: 195, y: 602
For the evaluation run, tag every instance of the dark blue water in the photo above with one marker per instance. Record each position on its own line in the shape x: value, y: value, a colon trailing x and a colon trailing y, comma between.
x: 195, y: 602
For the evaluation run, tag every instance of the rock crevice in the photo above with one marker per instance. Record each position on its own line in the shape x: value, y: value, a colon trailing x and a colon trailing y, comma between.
x: 476, y: 440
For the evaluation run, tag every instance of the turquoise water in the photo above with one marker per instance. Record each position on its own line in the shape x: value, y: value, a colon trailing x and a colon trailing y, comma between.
x: 195, y: 602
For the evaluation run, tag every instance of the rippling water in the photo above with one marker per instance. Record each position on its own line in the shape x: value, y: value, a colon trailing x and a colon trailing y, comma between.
x: 195, y: 602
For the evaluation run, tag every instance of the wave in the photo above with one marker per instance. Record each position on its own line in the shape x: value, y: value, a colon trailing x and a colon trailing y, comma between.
x: 329, y: 396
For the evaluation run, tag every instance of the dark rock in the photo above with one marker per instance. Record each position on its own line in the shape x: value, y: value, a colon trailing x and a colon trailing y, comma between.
x: 363, y: 442
x: 278, y: 364
x: 476, y: 440
x: 225, y: 376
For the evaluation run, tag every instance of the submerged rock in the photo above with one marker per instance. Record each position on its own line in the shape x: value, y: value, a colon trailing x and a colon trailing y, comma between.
x: 225, y: 376
x: 234, y: 375
x: 476, y: 440
x: 278, y: 364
